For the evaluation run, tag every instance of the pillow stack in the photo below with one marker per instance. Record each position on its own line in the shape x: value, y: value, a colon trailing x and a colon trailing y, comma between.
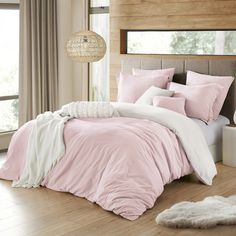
x: 199, y: 99
x: 224, y: 82
x: 202, y: 97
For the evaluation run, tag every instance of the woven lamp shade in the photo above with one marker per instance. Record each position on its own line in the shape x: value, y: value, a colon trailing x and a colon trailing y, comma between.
x: 86, y: 46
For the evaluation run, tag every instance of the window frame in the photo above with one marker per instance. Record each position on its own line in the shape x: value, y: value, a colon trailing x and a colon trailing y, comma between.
x: 98, y: 10
x: 3, y: 134
x: 91, y: 11
x: 10, y: 6
x: 124, y: 42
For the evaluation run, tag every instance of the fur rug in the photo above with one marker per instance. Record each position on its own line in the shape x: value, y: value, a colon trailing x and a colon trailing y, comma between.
x: 208, y: 213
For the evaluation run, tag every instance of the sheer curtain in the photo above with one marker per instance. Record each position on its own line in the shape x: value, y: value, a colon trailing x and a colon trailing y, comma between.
x: 73, y: 77
x: 38, y: 58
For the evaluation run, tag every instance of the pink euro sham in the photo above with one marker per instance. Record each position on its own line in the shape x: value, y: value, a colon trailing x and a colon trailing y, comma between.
x: 162, y: 72
x: 199, y: 101
x: 171, y: 103
x: 131, y: 87
x: 194, y: 78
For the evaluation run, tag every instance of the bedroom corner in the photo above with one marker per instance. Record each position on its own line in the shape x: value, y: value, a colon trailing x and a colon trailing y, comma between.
x: 117, y: 117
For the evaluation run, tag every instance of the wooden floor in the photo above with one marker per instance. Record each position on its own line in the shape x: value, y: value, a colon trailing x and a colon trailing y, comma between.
x: 45, y: 212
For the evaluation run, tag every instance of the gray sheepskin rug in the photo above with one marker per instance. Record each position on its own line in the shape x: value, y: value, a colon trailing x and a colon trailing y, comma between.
x: 208, y: 213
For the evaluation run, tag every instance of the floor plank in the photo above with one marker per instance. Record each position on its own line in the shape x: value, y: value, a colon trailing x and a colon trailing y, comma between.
x: 42, y: 212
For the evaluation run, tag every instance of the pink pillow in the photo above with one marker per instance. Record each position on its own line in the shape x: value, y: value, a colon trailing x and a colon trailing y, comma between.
x: 194, y: 78
x: 171, y: 103
x: 199, y: 99
x: 131, y: 87
x: 162, y: 72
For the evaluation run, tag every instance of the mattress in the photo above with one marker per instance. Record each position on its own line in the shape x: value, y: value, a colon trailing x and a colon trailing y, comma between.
x: 213, y: 130
x: 213, y: 134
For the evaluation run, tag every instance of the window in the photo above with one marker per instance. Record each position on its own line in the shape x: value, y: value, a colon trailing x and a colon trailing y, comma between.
x: 99, y: 71
x: 99, y: 3
x: 9, y: 66
x: 190, y: 42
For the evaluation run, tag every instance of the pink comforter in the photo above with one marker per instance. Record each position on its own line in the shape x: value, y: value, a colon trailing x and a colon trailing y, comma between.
x: 122, y: 164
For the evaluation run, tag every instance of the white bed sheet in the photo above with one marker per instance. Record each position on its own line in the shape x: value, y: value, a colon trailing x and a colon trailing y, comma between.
x: 213, y: 130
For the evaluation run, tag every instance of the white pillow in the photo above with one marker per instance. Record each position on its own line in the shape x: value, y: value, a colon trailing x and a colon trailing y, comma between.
x: 149, y: 94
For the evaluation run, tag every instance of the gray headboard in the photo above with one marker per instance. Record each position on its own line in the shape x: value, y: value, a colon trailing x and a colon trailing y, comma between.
x: 210, y: 67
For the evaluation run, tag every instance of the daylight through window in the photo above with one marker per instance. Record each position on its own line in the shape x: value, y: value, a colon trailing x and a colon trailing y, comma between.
x: 99, y: 71
x: 197, y: 42
x: 9, y: 67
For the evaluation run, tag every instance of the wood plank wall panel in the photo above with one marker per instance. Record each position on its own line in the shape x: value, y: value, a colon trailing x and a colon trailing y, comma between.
x: 165, y: 14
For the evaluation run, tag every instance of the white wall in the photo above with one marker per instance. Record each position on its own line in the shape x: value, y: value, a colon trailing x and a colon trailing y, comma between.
x: 73, y: 77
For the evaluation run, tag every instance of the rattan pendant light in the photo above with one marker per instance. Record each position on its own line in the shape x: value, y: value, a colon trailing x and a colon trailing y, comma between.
x: 86, y: 46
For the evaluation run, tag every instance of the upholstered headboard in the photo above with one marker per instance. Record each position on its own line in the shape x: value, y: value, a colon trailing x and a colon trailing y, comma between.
x: 210, y: 67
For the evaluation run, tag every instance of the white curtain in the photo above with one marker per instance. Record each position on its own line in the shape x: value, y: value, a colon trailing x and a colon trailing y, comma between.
x: 73, y: 77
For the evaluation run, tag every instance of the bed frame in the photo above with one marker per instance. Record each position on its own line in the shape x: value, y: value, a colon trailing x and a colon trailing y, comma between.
x: 210, y: 67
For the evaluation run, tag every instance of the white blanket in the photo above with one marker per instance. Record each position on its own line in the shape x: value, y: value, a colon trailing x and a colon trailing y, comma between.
x: 46, y: 145
x: 89, y: 110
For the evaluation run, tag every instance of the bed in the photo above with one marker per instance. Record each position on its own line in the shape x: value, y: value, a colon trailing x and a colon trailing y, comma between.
x: 213, y: 134
x: 210, y: 67
x: 121, y: 163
